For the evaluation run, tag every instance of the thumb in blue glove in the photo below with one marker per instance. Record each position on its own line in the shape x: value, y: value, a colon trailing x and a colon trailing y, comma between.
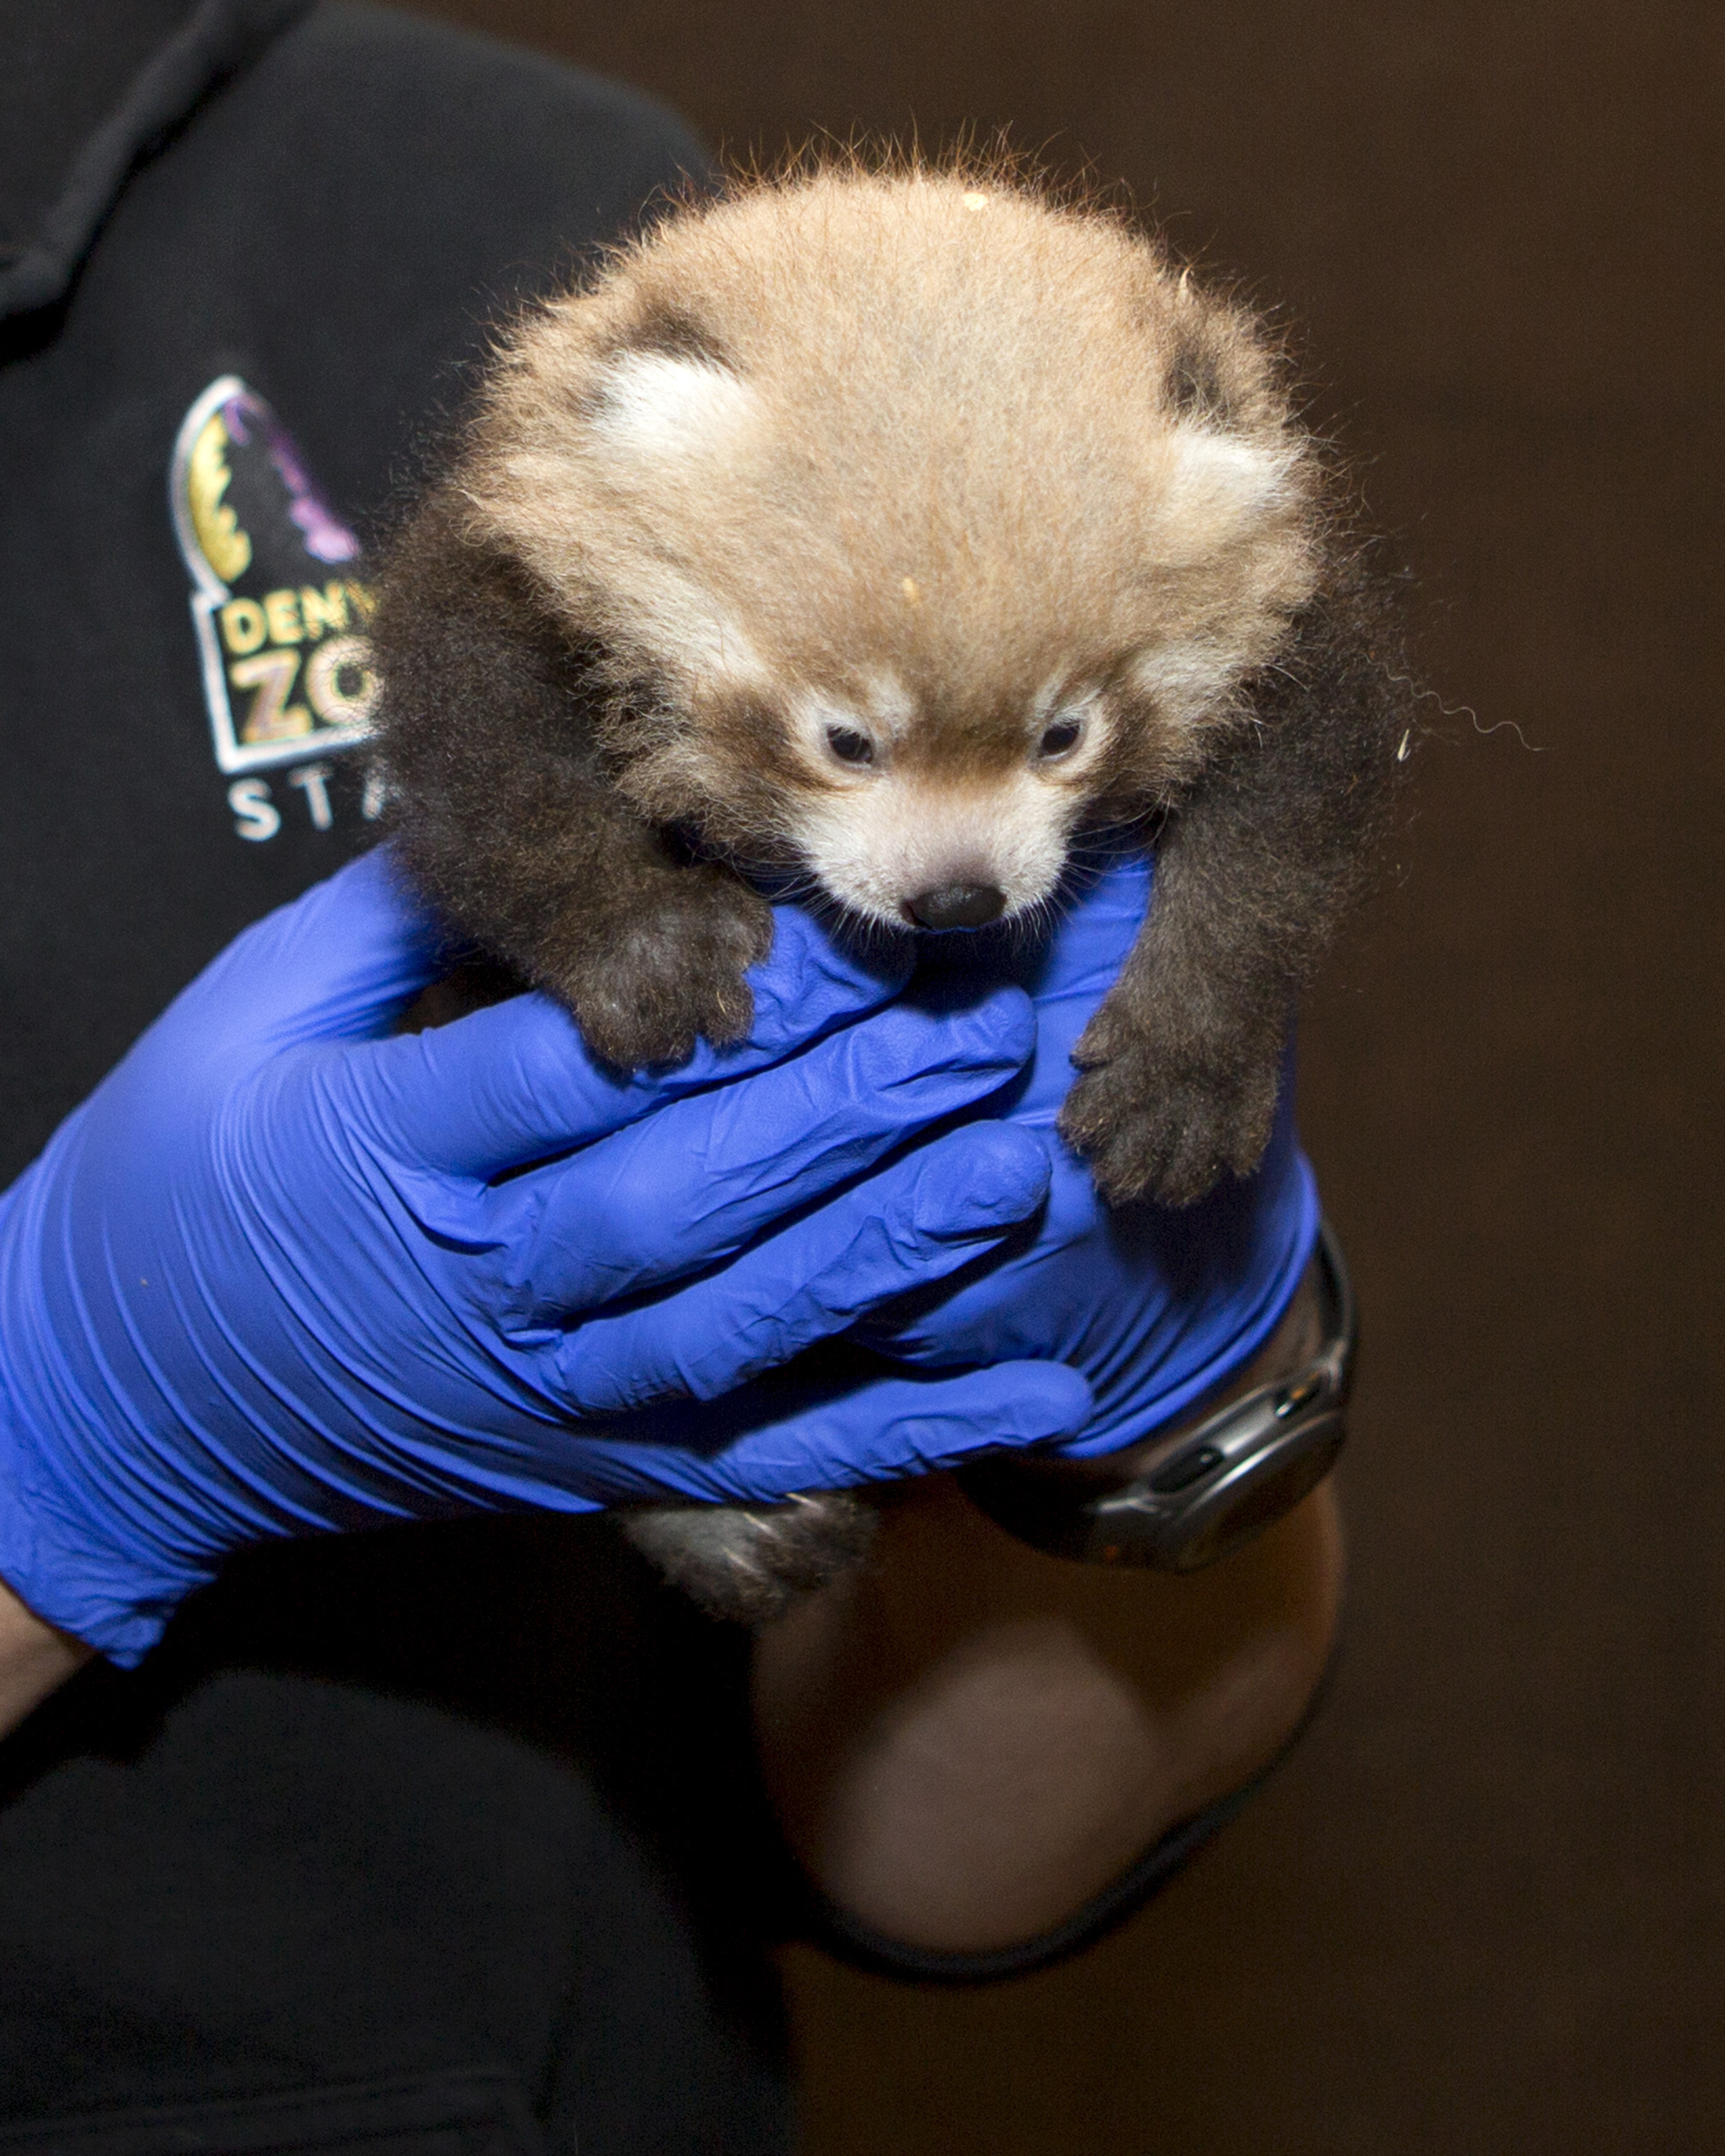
x: 283, y: 1274
x: 1155, y: 1306
x: 1151, y: 1307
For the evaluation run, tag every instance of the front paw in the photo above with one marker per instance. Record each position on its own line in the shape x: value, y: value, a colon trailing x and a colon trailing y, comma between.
x: 1154, y: 1122
x: 669, y: 972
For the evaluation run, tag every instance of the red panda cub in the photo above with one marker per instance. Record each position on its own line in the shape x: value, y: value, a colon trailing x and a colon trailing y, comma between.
x: 892, y: 528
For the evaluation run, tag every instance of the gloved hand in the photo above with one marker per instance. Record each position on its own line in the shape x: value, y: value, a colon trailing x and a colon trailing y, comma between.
x: 280, y: 1274
x: 1154, y: 1305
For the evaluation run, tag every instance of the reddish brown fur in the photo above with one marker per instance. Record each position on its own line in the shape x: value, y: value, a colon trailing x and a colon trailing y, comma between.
x: 933, y: 459
x: 982, y: 401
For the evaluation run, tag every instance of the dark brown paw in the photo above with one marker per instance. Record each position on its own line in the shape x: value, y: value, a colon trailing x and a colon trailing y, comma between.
x: 671, y: 973
x: 1152, y: 1126
x: 749, y: 1563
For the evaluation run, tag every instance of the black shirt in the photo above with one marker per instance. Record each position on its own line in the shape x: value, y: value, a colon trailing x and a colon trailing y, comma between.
x: 334, y: 219
x: 244, y: 1879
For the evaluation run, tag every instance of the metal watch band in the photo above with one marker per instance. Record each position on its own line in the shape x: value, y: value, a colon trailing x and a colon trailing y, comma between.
x: 1214, y: 1487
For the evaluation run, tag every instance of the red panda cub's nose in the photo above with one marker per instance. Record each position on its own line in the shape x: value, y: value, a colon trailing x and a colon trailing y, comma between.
x: 958, y: 906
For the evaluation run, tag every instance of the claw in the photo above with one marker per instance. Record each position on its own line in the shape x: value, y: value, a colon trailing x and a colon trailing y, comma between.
x: 674, y: 977
x: 1148, y: 1134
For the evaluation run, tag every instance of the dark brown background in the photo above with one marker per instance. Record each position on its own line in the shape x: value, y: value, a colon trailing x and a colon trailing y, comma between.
x: 1482, y: 1910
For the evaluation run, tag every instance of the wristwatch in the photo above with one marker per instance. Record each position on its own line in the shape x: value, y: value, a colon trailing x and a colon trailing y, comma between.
x: 1212, y: 1487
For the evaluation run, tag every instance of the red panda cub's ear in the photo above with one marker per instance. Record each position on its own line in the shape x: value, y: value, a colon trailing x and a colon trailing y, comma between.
x: 668, y: 389
x: 648, y: 406
x: 1222, y: 489
x: 1232, y: 466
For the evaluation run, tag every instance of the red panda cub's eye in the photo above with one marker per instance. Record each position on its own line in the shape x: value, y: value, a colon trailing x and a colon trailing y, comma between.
x: 1061, y: 736
x: 848, y: 745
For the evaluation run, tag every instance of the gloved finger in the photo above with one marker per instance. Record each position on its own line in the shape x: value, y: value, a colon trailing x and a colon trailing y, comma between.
x: 339, y: 964
x: 914, y: 1222
x: 515, y: 1084
x: 1103, y: 900
x: 1091, y: 928
x: 694, y: 1183
x: 788, y: 1438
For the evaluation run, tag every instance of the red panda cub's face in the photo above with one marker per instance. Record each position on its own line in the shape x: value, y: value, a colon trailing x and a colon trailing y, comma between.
x: 916, y: 520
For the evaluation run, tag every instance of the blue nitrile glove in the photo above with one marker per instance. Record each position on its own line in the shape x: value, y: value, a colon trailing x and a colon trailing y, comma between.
x: 1154, y: 1306
x: 267, y: 1280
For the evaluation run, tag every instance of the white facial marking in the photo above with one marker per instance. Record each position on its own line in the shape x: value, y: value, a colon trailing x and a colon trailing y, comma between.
x: 657, y: 406
x: 876, y: 847
x: 890, y: 703
x: 684, y: 626
x: 1188, y: 680
x: 1047, y: 696
x: 715, y: 647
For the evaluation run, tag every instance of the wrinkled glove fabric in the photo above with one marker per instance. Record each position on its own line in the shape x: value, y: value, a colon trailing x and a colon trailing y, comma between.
x: 284, y: 1272
x: 1155, y: 1306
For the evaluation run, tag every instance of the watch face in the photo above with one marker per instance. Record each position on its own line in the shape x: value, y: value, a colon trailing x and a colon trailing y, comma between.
x: 1213, y: 1488
x: 1262, y: 1492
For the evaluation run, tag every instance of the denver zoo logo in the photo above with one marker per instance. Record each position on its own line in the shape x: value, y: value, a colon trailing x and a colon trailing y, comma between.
x: 287, y: 667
